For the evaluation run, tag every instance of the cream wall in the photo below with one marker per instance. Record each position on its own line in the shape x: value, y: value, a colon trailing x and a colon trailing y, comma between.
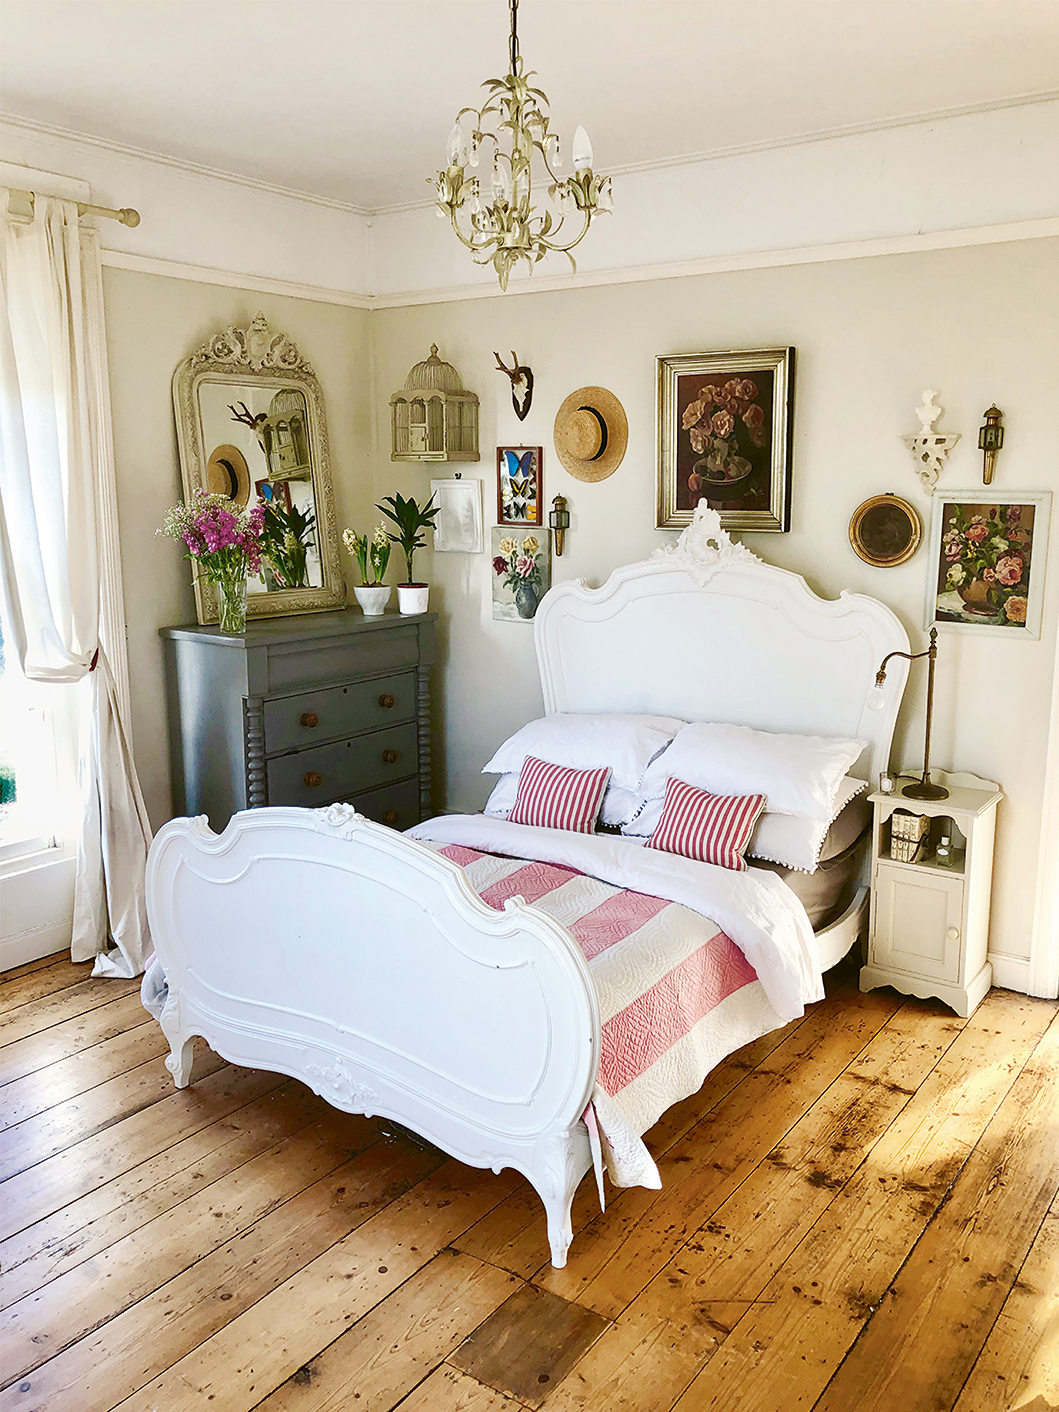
x: 153, y: 323
x: 980, y: 324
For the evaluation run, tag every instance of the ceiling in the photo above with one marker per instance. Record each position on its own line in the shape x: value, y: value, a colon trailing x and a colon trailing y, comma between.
x: 351, y: 100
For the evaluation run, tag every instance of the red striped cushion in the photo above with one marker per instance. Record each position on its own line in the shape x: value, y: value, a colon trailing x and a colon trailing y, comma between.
x: 554, y: 797
x: 714, y: 828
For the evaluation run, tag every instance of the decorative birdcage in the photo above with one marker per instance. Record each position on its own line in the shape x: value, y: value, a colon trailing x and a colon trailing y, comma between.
x: 433, y: 417
x: 284, y: 435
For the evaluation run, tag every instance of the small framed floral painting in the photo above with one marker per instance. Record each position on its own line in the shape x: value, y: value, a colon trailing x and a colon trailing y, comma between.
x: 988, y: 553
x: 724, y: 435
x: 521, y: 571
x: 518, y: 485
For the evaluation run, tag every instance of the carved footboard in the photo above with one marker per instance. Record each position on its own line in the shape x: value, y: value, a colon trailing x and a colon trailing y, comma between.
x: 320, y: 945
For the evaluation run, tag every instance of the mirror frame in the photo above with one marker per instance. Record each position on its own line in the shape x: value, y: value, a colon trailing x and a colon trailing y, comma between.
x: 261, y: 356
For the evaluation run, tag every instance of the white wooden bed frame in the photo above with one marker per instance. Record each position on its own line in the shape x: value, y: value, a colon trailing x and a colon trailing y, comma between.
x: 322, y: 946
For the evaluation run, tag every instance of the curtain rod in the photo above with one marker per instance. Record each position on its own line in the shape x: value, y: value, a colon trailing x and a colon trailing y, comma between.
x: 127, y: 216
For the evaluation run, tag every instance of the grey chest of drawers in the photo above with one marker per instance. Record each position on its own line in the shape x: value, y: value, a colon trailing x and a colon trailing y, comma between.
x: 302, y: 710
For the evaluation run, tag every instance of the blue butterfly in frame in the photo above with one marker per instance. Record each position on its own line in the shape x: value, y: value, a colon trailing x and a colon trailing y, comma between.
x: 518, y: 483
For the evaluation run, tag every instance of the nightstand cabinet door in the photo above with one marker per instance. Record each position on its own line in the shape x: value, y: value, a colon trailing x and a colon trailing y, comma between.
x: 918, y: 923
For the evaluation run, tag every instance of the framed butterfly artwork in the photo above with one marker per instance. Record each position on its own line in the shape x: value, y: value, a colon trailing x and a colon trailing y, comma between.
x: 519, y: 494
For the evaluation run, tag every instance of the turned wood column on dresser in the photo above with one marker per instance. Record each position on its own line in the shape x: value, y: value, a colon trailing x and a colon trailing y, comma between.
x: 302, y: 710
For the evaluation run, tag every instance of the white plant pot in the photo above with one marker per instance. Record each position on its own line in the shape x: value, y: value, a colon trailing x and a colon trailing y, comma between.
x: 373, y: 598
x: 412, y: 597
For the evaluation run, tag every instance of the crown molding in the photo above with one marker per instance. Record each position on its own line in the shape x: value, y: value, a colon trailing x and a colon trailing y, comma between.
x: 688, y: 159
x: 804, y: 139
x: 143, y: 154
x: 234, y: 279
x: 634, y: 274
x: 725, y: 264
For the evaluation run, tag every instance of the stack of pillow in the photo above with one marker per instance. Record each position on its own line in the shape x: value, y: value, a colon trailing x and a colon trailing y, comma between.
x: 713, y: 792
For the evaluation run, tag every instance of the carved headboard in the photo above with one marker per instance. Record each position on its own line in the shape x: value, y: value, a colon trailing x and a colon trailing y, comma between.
x: 704, y: 630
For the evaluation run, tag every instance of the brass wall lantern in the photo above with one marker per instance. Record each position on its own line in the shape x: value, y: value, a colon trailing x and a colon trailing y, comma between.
x: 990, y: 440
x: 559, y: 521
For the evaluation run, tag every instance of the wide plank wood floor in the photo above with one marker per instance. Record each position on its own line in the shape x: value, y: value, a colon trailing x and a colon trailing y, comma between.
x: 858, y: 1212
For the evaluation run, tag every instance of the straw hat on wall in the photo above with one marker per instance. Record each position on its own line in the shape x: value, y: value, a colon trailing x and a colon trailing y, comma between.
x: 591, y: 433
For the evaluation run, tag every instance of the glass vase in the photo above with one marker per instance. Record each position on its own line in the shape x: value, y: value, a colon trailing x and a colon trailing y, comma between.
x: 231, y: 603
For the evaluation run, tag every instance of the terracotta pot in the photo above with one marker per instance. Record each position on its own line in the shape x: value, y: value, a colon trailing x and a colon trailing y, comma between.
x: 372, y: 597
x: 975, y: 598
x: 412, y: 597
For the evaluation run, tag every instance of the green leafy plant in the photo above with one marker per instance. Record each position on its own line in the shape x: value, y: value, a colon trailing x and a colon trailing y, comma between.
x: 411, y: 519
x: 287, y: 539
x: 372, y: 555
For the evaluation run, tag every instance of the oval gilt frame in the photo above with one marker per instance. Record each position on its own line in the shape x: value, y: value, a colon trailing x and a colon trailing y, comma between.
x: 885, y: 540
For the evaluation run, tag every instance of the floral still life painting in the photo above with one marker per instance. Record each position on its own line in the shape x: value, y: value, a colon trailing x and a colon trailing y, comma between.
x: 521, y: 571
x: 724, y: 428
x: 989, y: 555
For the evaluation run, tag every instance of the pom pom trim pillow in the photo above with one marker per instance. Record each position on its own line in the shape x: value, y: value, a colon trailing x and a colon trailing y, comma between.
x: 708, y: 827
x: 626, y: 743
x: 800, y: 774
x: 554, y: 797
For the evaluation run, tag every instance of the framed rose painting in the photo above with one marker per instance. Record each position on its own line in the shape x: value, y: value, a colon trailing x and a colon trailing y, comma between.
x: 988, y: 553
x: 724, y: 435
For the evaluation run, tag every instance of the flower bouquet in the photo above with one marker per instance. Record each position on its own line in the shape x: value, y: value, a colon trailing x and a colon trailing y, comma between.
x: 987, y: 551
x: 724, y: 424
x: 518, y: 564
x: 225, y: 545
x: 372, y: 556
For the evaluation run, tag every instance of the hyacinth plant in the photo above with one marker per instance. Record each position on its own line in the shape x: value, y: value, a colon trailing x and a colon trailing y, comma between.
x: 225, y: 545
x: 288, y: 537
x: 372, y: 555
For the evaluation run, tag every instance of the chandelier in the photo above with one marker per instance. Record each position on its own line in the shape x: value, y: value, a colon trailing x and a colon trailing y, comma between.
x: 500, y: 225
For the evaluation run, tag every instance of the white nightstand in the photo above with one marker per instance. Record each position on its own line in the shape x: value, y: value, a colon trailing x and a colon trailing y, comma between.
x: 929, y: 929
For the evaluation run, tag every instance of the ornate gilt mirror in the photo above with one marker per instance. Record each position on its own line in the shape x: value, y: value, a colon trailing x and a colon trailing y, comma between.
x: 250, y: 425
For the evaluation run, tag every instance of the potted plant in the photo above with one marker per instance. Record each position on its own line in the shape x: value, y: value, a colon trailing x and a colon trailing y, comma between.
x: 372, y: 556
x: 411, y: 519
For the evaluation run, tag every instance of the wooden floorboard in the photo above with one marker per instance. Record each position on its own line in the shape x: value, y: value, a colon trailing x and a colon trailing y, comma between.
x: 859, y: 1211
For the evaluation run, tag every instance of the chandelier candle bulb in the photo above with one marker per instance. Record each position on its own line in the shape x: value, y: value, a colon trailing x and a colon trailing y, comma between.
x: 581, y: 154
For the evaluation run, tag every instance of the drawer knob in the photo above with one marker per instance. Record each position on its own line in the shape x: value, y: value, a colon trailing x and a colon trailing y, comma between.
x: 390, y: 818
x: 389, y: 757
x: 313, y: 779
x: 953, y: 933
x: 310, y: 719
x: 387, y: 701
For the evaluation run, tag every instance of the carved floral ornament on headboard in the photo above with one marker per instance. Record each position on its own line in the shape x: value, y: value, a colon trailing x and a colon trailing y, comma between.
x: 704, y: 548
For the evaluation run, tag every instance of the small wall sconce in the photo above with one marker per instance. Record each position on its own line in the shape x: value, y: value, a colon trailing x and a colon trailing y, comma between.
x: 930, y: 448
x: 990, y: 440
x: 922, y: 788
x: 559, y: 520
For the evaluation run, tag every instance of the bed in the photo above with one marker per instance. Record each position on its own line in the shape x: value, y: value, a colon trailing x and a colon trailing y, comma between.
x: 409, y: 977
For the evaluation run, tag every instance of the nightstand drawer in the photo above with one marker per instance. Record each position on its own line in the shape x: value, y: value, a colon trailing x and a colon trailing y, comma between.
x: 312, y: 777
x: 295, y: 721
x: 918, y: 919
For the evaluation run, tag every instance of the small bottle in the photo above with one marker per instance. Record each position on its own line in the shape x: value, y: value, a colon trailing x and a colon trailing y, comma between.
x: 945, y: 854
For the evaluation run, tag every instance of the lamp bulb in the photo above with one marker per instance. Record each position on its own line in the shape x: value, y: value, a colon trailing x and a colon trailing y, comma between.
x: 875, y: 698
x: 581, y: 149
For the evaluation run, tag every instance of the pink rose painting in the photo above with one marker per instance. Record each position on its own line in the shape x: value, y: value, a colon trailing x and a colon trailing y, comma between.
x: 985, y: 573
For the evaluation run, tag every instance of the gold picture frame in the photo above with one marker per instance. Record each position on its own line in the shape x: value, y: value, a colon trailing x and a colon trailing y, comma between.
x: 885, y: 531
x: 724, y: 428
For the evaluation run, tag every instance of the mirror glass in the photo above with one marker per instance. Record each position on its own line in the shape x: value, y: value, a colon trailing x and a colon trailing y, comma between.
x: 251, y: 426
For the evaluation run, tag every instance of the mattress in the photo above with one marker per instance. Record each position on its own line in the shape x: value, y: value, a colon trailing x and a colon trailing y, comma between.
x: 827, y: 893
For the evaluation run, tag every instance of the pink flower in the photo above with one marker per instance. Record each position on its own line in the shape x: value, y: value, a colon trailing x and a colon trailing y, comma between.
x: 709, y: 394
x: 1013, y: 514
x: 524, y: 566
x: 692, y: 413
x: 698, y: 441
x: 1009, y: 570
x: 978, y: 531
x: 747, y: 390
x: 722, y: 423
x: 952, y: 551
x: 989, y: 574
x: 1015, y: 609
x: 754, y: 416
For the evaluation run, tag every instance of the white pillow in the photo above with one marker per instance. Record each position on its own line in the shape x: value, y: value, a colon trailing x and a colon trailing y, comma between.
x: 799, y: 774
x: 627, y: 744
x: 794, y: 840
x: 619, y: 804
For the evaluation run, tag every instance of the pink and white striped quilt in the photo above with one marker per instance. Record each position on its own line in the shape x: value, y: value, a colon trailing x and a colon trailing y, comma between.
x: 675, y: 993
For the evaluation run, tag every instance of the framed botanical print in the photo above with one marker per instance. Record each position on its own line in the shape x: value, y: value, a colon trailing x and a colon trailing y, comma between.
x: 724, y: 435
x: 518, y: 485
x: 522, y: 573
x: 987, y: 553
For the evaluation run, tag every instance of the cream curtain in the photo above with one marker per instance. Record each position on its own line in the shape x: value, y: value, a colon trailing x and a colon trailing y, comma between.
x: 57, y: 511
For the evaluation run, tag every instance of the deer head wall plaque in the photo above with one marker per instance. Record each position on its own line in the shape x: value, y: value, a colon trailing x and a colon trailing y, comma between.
x: 521, y: 383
